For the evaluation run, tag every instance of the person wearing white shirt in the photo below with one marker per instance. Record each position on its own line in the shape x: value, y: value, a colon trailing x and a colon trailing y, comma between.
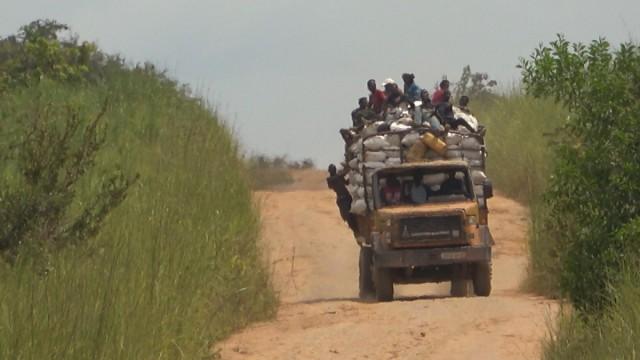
x: 418, y: 192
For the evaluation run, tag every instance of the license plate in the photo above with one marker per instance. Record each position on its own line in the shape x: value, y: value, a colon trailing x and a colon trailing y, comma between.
x: 453, y: 255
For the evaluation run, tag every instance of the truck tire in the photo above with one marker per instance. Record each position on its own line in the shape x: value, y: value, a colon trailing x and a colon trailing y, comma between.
x: 460, y: 282
x: 365, y: 264
x: 459, y: 287
x: 383, y: 284
x: 482, y: 279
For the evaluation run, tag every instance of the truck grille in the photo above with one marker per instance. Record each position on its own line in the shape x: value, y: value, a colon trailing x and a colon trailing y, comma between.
x: 432, y: 229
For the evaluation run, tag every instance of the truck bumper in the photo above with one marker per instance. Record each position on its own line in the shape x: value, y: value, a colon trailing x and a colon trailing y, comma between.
x: 431, y: 257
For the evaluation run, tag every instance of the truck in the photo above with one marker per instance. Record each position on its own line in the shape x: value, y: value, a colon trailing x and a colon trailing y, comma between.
x: 443, y: 236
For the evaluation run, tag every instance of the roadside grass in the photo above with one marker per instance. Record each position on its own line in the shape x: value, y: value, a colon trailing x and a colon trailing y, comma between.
x: 176, y: 267
x: 611, y: 335
x: 520, y: 129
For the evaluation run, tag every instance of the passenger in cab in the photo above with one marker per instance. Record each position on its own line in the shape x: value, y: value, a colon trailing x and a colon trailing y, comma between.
x: 418, y: 192
x: 411, y: 90
x: 392, y: 191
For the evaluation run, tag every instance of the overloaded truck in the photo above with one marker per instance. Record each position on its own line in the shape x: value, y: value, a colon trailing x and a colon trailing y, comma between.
x: 420, y: 199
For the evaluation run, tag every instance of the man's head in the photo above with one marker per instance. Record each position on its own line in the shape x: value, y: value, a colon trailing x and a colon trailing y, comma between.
x: 444, y: 84
x: 424, y: 96
x: 332, y: 170
x: 464, y: 100
x: 408, y: 78
x: 363, y: 102
x: 371, y: 85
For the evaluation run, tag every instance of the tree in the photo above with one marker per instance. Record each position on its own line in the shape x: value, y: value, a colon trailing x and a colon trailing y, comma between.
x: 594, y: 192
x: 474, y: 85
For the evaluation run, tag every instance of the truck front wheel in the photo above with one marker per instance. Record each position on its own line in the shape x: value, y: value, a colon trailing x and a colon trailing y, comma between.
x: 460, y: 282
x: 384, y: 284
x: 482, y: 279
x: 367, y: 289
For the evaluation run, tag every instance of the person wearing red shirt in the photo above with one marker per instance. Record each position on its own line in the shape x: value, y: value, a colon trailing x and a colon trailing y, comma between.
x: 377, y: 97
x: 438, y: 95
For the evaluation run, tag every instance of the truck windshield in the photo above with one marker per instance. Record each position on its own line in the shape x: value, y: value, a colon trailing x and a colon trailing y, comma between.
x: 420, y: 186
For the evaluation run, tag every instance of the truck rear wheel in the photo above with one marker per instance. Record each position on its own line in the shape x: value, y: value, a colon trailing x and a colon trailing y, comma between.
x: 482, y: 279
x: 383, y: 284
x: 365, y: 264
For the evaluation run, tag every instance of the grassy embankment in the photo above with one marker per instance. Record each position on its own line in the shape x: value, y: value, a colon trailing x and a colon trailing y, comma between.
x: 176, y: 266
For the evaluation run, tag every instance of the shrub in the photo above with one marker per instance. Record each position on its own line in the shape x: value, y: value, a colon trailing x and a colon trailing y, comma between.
x: 595, y: 187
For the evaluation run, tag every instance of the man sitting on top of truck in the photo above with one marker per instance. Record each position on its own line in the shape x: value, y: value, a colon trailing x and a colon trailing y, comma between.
x: 362, y: 114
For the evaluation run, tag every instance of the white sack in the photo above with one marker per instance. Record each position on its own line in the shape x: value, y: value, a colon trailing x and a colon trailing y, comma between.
x: 434, y: 179
x: 478, y: 177
x: 375, y: 156
x: 453, y: 139
x: 393, y: 161
x: 392, y: 152
x: 354, y: 163
x: 410, y: 139
x: 453, y: 154
x: 358, y: 207
x: 375, y: 143
x: 356, y: 147
x: 470, y: 143
x: 393, y: 140
x: 374, y: 164
x: 472, y: 155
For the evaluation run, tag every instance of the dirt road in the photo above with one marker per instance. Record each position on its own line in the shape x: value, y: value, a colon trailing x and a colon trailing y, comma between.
x: 314, y: 260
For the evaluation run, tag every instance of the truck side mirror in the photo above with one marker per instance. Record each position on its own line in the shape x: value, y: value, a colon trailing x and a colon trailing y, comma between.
x: 487, y: 189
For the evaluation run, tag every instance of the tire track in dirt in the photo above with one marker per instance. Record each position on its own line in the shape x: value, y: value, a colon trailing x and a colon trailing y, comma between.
x: 314, y: 262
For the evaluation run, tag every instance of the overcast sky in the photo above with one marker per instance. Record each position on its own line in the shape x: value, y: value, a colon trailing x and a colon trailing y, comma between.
x: 287, y: 73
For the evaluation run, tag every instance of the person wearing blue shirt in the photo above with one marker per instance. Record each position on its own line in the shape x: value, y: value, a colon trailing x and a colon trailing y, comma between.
x: 411, y: 90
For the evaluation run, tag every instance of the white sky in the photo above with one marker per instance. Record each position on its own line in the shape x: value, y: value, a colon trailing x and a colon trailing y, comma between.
x: 287, y: 73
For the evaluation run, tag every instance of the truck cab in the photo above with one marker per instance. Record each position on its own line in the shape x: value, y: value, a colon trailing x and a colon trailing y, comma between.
x: 426, y: 224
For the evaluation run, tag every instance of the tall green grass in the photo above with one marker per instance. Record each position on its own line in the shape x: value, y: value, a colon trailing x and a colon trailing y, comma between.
x: 612, y: 335
x: 519, y: 157
x: 176, y: 266
x: 519, y: 135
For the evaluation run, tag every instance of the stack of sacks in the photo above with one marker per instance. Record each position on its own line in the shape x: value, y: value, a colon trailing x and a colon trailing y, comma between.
x: 366, y: 157
x: 467, y: 148
x: 470, y: 119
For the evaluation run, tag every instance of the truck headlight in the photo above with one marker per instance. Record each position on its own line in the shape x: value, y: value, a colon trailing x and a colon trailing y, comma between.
x: 472, y: 220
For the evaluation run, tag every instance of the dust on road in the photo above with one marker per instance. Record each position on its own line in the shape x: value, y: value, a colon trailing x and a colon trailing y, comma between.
x: 314, y: 262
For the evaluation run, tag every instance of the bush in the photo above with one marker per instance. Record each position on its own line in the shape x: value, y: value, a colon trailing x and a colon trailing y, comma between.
x: 176, y: 267
x: 595, y: 185
x: 50, y: 149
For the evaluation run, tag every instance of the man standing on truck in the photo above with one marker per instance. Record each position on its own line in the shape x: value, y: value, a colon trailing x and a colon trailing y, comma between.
x: 377, y: 97
x: 338, y: 184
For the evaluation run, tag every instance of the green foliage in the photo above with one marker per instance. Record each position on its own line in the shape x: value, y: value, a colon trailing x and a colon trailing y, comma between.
x: 37, y: 52
x: 474, y: 85
x: 611, y: 335
x: 595, y: 189
x: 176, y: 267
x: 50, y: 149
